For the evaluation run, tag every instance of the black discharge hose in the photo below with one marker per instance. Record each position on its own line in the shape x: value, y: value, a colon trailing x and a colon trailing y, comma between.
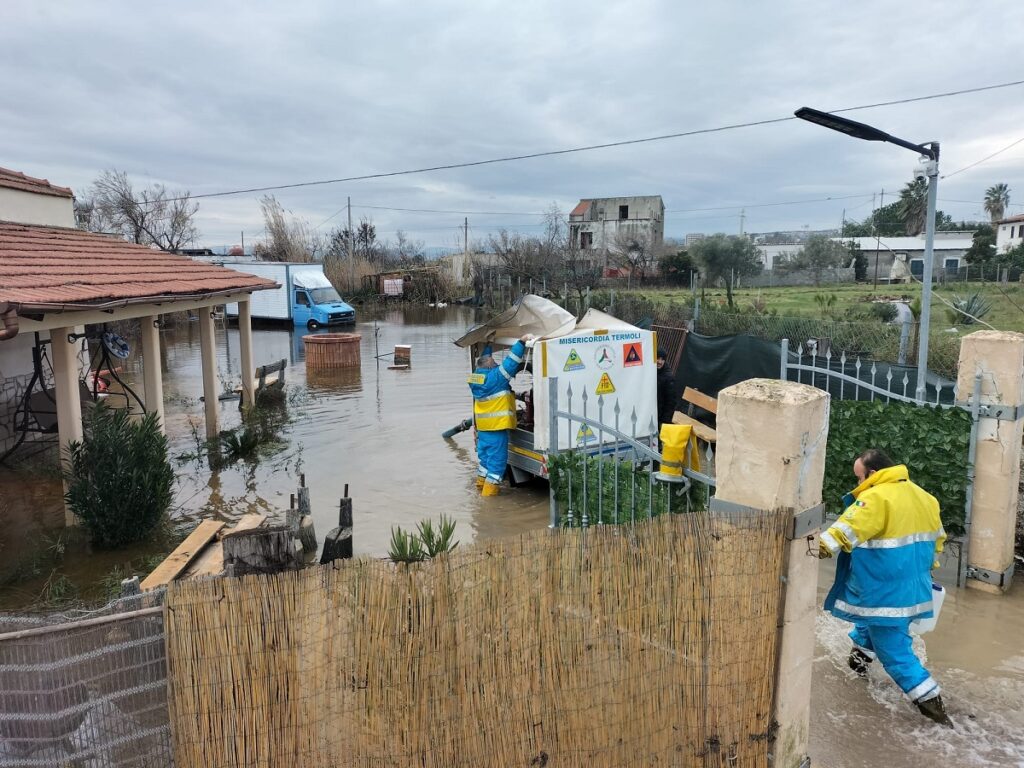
x: 462, y: 426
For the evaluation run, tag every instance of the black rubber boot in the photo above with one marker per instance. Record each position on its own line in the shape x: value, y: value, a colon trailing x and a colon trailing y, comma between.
x: 859, y: 662
x: 935, y: 710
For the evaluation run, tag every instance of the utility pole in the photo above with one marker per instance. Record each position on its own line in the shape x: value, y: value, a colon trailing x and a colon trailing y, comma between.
x: 878, y: 239
x: 465, y: 235
x: 243, y: 242
x: 743, y: 215
x: 351, y: 249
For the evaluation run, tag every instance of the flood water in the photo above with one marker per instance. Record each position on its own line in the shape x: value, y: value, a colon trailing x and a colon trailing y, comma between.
x: 379, y: 431
x: 374, y: 429
x: 976, y: 653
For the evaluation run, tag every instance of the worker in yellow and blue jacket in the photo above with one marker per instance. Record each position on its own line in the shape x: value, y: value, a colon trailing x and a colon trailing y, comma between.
x: 887, y: 540
x: 494, y: 411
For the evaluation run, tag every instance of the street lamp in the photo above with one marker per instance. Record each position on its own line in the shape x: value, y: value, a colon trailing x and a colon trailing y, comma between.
x: 928, y: 169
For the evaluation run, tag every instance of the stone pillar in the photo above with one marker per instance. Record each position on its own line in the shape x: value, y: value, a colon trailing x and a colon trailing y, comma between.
x: 152, y: 378
x: 999, y: 357
x: 245, y: 351
x: 771, y: 455
x: 64, y: 354
x: 208, y: 353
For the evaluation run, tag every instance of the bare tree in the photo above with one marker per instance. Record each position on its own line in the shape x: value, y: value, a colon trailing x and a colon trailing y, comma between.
x: 578, y: 273
x: 633, y: 250
x: 288, y: 237
x: 148, y: 216
x: 523, y: 257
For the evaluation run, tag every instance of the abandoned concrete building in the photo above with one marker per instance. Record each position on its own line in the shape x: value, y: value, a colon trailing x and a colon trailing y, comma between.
x: 603, y: 225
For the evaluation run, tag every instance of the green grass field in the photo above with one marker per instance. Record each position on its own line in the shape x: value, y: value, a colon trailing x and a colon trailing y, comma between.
x: 1007, y: 313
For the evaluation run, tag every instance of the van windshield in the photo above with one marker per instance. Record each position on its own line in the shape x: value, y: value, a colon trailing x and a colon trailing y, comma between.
x: 324, y: 295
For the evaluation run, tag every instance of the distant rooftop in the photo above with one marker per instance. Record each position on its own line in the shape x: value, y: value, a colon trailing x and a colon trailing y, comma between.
x: 17, y: 180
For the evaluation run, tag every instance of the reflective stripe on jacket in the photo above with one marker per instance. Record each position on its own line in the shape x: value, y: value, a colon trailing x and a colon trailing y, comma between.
x: 891, y: 531
x: 494, y: 405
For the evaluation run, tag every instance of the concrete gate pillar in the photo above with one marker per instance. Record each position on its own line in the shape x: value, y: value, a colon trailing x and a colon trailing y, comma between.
x: 771, y: 455
x: 999, y: 357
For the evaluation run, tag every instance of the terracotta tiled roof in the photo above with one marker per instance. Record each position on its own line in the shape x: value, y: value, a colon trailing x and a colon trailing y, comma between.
x: 48, y: 267
x: 581, y: 208
x: 1012, y: 219
x: 17, y: 180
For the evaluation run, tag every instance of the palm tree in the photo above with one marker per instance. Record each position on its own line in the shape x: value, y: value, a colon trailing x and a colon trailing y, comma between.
x: 913, y: 206
x: 997, y: 198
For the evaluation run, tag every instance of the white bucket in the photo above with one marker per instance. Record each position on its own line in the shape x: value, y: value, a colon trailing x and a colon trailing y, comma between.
x: 920, y: 626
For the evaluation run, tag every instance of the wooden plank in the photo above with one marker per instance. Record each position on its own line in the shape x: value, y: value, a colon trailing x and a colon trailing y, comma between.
x: 701, y: 400
x: 211, y: 561
x: 185, y: 553
x: 246, y: 523
x: 703, y: 431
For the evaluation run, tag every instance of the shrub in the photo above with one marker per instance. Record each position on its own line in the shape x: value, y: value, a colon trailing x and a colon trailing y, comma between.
x: 968, y: 310
x: 120, y: 479
x: 425, y: 544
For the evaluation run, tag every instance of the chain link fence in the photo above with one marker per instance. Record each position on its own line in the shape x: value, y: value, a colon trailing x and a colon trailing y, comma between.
x: 87, y: 689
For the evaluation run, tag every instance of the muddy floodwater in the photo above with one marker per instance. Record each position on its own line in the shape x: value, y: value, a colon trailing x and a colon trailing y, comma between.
x: 976, y: 653
x: 374, y: 429
x: 379, y: 431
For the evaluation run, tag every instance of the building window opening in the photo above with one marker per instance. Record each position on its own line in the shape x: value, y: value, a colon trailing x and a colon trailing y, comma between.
x: 623, y: 212
x: 586, y: 239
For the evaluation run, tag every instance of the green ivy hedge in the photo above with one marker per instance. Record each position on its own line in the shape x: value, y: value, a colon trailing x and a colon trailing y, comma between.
x: 932, y: 442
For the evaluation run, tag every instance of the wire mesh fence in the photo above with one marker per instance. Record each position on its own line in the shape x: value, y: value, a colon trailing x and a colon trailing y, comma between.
x: 85, y: 689
x: 639, y: 645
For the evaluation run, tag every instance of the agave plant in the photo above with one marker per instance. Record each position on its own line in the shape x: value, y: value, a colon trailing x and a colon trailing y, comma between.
x: 968, y: 310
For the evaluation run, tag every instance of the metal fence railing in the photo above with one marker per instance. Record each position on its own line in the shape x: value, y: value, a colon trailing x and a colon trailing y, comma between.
x: 613, y: 476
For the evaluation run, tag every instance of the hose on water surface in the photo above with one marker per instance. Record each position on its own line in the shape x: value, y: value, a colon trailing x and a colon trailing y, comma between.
x: 462, y: 426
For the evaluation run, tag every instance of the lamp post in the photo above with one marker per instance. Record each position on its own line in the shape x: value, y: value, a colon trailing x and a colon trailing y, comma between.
x: 929, y: 169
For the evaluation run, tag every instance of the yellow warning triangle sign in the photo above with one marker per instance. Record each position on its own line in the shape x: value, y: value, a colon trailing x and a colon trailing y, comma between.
x: 605, y: 386
x: 585, y: 435
x: 573, y: 362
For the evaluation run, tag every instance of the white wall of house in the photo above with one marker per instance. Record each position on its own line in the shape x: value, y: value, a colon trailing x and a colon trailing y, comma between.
x: 33, y: 208
x: 1010, y: 234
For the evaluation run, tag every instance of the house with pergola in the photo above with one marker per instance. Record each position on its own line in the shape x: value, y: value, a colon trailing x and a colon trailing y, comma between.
x: 55, y: 280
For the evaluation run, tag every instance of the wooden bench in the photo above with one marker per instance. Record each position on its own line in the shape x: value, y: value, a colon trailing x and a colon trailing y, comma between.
x: 693, y: 397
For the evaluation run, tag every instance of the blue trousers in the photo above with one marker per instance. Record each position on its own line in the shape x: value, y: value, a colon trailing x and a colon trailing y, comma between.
x: 892, y: 646
x: 492, y: 452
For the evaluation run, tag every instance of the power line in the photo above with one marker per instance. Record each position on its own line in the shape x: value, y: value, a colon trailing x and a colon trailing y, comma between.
x: 765, y: 205
x: 591, y: 147
x: 984, y: 159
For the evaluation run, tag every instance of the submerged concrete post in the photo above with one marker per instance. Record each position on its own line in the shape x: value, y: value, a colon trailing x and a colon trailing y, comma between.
x: 208, y: 351
x: 771, y: 455
x: 152, y: 377
x: 64, y: 353
x: 999, y: 357
x: 245, y: 352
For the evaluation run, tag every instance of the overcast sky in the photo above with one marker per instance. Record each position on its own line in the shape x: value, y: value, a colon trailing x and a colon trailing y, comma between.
x: 215, y: 96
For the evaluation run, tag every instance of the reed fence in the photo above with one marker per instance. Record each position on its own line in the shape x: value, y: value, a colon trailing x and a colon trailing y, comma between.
x: 610, y: 646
